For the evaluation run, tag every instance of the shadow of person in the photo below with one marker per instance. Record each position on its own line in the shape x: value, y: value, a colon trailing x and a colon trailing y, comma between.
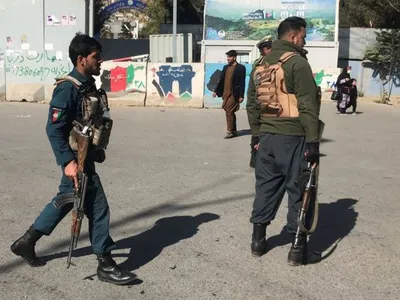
x: 147, y: 245
x: 165, y: 232
x: 244, y: 132
x: 335, y: 221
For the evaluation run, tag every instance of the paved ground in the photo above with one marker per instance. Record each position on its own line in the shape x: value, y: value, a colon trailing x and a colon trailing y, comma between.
x: 172, y: 167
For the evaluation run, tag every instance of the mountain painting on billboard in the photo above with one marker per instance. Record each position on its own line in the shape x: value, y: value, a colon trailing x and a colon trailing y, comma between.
x: 254, y: 19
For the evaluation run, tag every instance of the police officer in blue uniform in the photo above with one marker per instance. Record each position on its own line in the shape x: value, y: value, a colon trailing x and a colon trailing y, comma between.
x: 65, y: 107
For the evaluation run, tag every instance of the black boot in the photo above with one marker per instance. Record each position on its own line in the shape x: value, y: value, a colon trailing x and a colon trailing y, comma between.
x: 109, y: 271
x: 25, y: 247
x: 298, y: 252
x: 258, y: 243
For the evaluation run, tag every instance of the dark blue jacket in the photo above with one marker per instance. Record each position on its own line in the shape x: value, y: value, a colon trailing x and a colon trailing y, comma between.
x: 65, y: 107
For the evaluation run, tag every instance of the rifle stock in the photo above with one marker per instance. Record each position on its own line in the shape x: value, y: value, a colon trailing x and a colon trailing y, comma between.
x: 83, y: 146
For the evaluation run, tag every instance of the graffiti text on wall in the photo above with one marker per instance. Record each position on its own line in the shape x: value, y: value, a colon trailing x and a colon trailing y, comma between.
x: 39, y: 65
x: 122, y: 79
x: 168, y: 75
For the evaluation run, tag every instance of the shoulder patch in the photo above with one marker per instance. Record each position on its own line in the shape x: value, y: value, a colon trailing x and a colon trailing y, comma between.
x: 56, y: 114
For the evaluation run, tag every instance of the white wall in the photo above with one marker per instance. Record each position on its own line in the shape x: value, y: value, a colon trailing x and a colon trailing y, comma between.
x: 38, y: 52
x: 321, y: 54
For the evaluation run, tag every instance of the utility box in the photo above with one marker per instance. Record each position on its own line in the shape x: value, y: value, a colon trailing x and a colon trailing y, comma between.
x: 161, y: 48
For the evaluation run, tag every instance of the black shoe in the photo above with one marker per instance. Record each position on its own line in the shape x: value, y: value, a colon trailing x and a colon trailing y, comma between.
x: 258, y: 243
x: 25, y: 247
x: 298, y: 252
x: 109, y: 271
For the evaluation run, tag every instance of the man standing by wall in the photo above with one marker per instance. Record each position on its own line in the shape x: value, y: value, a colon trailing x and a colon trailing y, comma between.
x: 289, y: 138
x: 252, y: 109
x: 231, y: 88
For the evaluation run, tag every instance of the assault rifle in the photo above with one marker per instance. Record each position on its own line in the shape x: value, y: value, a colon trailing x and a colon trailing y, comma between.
x: 82, y: 137
x: 309, y: 180
x: 83, y: 141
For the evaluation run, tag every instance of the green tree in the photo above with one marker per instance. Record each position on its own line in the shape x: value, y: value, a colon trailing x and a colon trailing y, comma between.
x: 369, y: 13
x: 101, y: 26
x: 156, y: 13
x: 384, y: 59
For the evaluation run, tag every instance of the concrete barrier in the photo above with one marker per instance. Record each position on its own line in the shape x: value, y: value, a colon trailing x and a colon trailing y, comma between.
x: 30, y: 75
x: 212, y: 74
x: 124, y: 82
x: 177, y: 85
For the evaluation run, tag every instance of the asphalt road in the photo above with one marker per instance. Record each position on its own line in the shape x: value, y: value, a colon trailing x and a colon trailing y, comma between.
x: 181, y: 197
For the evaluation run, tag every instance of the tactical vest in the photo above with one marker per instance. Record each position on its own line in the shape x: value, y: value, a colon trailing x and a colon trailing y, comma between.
x: 95, y: 115
x: 271, y: 91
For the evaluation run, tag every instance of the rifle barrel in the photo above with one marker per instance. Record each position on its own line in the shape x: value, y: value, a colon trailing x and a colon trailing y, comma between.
x: 71, y: 247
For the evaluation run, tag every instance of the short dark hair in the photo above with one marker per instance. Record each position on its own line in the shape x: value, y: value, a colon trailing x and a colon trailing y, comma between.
x: 83, y: 45
x: 231, y: 53
x: 290, y: 24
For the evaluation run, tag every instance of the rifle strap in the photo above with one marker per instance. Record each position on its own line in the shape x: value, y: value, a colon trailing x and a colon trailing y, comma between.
x: 316, y: 212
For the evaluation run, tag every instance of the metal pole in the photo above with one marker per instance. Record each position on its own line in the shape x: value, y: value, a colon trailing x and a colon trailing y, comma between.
x: 91, y: 17
x: 174, y: 25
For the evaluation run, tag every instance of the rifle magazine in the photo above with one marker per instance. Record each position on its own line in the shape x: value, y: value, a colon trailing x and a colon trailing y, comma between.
x: 63, y: 200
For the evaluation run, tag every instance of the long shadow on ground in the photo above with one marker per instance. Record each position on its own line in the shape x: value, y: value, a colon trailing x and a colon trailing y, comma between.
x: 147, y: 245
x: 336, y: 220
x: 170, y: 206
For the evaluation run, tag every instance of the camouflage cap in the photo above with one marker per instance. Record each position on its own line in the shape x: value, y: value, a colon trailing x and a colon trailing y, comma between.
x: 265, y: 41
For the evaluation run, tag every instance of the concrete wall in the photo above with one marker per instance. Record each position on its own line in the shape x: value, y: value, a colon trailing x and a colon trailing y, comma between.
x: 355, y: 41
x: 37, y: 51
x: 321, y: 54
x: 175, y: 85
x: 371, y: 87
x: 326, y: 78
x: 124, y: 81
x: 155, y: 84
x: 212, y: 73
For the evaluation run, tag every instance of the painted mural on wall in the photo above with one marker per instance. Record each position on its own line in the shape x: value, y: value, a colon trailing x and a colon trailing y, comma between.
x: 212, y: 76
x: 123, y: 81
x: 326, y: 78
x: 175, y: 85
x: 250, y: 19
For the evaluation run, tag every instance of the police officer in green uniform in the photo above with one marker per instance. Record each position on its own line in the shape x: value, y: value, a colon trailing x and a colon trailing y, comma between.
x: 66, y: 107
x: 286, y: 143
x: 264, y: 45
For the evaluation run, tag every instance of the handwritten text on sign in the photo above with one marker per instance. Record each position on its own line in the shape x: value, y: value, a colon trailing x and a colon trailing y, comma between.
x: 39, y: 65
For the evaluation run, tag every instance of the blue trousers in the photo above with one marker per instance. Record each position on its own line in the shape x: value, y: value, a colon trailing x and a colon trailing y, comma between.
x: 96, y: 210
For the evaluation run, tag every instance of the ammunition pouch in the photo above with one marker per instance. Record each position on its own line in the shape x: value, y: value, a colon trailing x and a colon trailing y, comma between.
x: 95, y: 116
x: 101, y: 134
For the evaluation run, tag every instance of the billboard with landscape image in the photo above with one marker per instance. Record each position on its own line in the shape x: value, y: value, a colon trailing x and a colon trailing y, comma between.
x: 254, y: 19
